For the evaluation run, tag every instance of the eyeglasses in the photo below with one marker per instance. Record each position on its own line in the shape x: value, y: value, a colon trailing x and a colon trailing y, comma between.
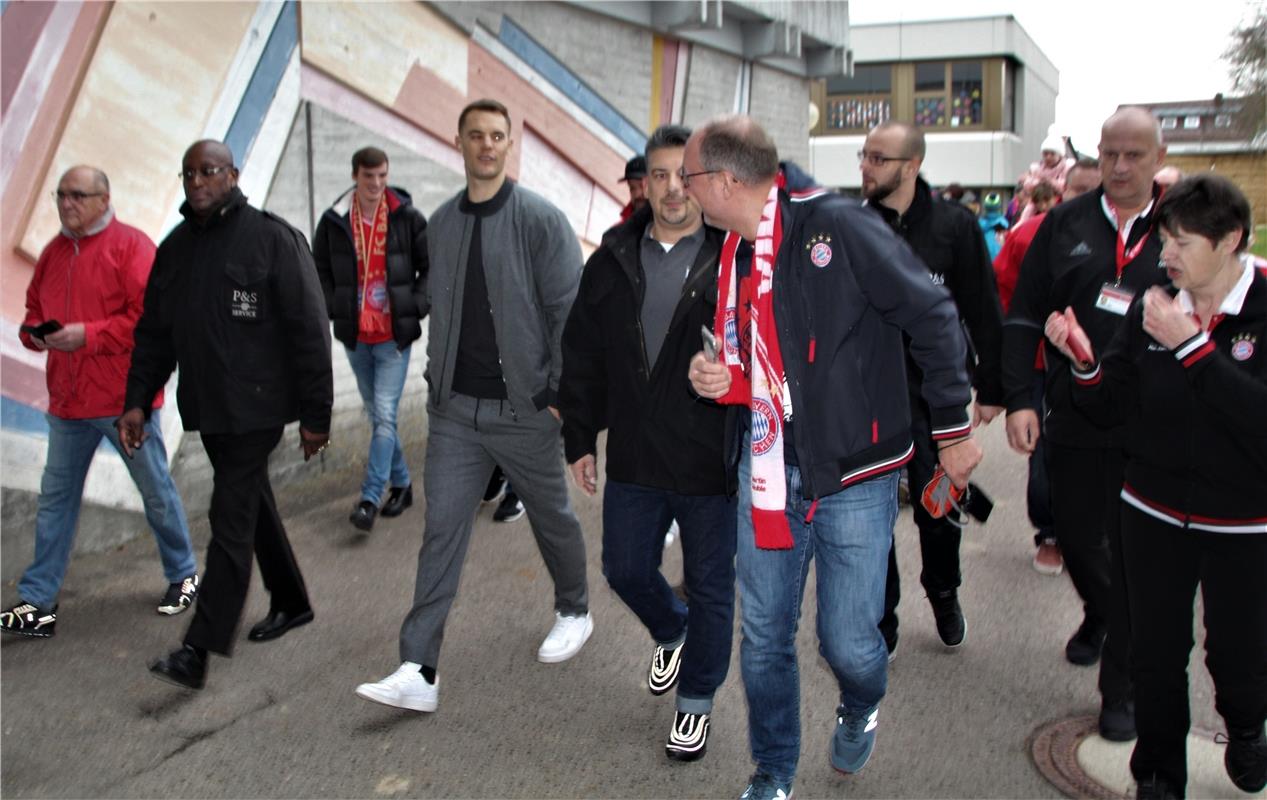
x: 875, y: 159
x: 686, y: 176
x: 206, y: 172
x: 74, y: 197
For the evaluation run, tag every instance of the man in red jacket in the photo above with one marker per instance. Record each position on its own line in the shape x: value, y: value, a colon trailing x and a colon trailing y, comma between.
x: 81, y: 307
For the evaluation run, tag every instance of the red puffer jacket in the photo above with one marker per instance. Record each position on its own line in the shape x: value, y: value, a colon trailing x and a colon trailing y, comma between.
x: 98, y: 280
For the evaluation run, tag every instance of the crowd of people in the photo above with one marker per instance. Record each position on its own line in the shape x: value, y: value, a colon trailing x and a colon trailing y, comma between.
x: 766, y: 359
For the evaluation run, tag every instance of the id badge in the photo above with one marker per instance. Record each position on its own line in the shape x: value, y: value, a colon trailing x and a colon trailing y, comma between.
x: 1115, y: 299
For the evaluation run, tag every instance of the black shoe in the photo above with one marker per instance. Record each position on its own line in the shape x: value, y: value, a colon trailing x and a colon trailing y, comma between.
x: 1084, y: 647
x: 363, y: 515
x: 511, y: 508
x: 496, y: 487
x: 398, y: 500
x: 1117, y: 720
x: 688, y: 741
x: 1155, y: 788
x: 26, y: 619
x: 277, y: 623
x: 183, y: 667
x: 1246, y: 760
x: 951, y: 626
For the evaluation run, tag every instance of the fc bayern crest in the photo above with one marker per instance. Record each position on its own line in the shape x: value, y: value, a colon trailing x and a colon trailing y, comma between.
x: 1243, y: 347
x: 820, y: 255
x: 730, y: 330
x: 765, y: 426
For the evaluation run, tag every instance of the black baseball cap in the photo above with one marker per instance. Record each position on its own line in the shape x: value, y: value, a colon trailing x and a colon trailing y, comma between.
x: 635, y: 169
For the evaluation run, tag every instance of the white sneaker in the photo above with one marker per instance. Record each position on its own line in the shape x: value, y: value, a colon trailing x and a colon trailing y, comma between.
x: 566, y: 638
x: 404, y: 688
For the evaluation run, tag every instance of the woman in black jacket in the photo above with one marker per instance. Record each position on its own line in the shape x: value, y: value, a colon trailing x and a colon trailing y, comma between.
x: 1187, y: 375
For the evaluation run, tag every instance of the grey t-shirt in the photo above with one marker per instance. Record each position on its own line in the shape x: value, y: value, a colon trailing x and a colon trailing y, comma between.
x: 665, y: 272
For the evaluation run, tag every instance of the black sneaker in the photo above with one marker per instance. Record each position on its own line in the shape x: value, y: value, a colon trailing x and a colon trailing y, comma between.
x: 496, y: 487
x: 1246, y: 760
x: 666, y: 664
x: 29, y: 620
x: 1155, y: 788
x: 180, y: 596
x: 1085, y: 645
x: 510, y: 509
x: 951, y: 626
x: 363, y: 515
x: 1117, y: 720
x: 689, y: 738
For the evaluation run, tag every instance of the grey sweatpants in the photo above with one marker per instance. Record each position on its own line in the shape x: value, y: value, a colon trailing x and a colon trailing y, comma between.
x: 464, y: 442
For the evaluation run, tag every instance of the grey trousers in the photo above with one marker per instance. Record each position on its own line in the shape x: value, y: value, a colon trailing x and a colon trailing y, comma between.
x: 464, y: 442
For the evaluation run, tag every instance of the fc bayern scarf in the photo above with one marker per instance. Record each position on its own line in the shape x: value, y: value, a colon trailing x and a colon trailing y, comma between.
x: 756, y: 370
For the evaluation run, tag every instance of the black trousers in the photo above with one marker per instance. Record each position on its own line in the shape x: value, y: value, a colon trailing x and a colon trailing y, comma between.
x: 938, y: 538
x: 1164, y: 564
x: 1038, y: 486
x: 244, y: 520
x: 1086, y: 485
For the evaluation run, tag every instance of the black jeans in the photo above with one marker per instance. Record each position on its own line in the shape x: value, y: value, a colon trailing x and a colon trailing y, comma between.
x: 243, y: 520
x: 1164, y: 564
x: 938, y: 538
x: 1086, y: 485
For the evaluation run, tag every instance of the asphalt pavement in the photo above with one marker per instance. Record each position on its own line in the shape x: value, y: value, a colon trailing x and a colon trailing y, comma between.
x: 81, y: 716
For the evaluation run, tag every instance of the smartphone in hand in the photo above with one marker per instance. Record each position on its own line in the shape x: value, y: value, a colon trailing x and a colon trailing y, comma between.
x: 43, y: 329
x: 710, y: 343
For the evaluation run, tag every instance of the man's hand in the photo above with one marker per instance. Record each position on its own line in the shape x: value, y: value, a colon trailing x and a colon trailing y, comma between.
x: 1066, y: 335
x: 959, y: 459
x: 984, y: 415
x: 585, y: 473
x: 69, y: 338
x: 1023, y: 430
x: 131, y: 430
x: 312, y: 443
x: 709, y: 379
x: 1165, y: 320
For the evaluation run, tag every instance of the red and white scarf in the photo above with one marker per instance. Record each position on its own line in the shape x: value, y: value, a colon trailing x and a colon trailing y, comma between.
x: 756, y: 372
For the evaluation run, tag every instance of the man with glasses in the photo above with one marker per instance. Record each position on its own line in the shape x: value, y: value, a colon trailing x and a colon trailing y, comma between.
x: 815, y: 295
x: 946, y: 237
x: 234, y: 302
x: 81, y: 307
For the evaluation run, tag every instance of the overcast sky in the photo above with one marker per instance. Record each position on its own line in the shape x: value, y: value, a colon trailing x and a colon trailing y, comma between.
x: 1108, y: 52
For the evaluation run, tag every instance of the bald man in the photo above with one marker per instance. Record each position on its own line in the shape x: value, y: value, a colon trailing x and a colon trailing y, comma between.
x: 235, y: 302
x: 88, y: 284
x: 1094, y: 253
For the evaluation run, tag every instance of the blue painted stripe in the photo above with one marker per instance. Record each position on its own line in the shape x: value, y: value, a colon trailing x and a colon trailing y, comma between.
x: 521, y: 44
x: 259, y: 94
x: 20, y: 417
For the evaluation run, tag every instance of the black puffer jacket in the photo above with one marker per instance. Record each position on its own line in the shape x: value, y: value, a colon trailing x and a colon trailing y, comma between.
x: 660, y: 435
x: 335, y: 253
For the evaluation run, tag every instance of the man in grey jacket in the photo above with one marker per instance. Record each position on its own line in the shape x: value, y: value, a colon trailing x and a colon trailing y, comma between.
x: 505, y: 267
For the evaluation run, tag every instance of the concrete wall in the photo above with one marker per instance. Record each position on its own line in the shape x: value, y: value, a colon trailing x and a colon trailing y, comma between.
x: 780, y: 102
x: 710, y: 85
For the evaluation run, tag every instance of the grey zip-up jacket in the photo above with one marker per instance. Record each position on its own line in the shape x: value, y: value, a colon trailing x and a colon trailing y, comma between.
x: 532, y: 266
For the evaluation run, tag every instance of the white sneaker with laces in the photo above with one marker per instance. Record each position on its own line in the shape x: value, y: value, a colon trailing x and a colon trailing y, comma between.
x: 566, y: 638
x: 404, y: 688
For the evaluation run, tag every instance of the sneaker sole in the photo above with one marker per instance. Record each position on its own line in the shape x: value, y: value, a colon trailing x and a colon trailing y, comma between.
x: 171, y: 611
x: 512, y: 517
x: 1044, y: 569
x: 28, y: 634
x: 365, y: 693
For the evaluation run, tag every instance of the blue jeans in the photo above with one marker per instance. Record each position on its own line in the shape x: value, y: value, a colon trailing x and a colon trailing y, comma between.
x: 71, y: 446
x: 850, y: 534
x: 380, y: 371
x: 635, y: 519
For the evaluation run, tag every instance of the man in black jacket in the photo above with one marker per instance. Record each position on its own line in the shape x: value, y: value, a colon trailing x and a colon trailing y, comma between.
x: 948, y: 240
x: 371, y: 254
x: 233, y: 301
x: 644, y: 295
x: 1094, y: 254
x: 817, y: 295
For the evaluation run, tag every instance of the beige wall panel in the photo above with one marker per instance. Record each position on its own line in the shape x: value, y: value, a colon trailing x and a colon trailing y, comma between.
x: 152, y: 85
x: 371, y: 46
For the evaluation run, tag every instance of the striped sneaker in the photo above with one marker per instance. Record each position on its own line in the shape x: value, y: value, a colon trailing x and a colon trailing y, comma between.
x: 689, y: 738
x: 666, y: 663
x: 854, y: 740
x: 180, y: 596
x: 29, y: 620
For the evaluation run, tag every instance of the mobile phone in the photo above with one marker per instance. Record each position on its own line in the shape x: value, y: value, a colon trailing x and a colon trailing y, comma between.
x: 710, y: 343
x: 43, y: 329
